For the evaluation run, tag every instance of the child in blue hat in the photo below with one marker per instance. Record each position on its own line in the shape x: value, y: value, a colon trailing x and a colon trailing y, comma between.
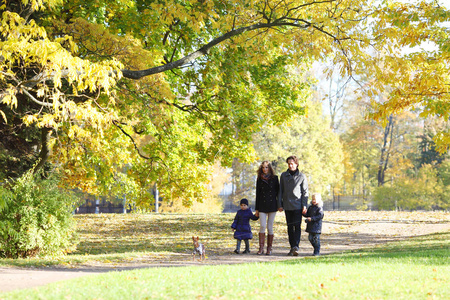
x: 241, y: 226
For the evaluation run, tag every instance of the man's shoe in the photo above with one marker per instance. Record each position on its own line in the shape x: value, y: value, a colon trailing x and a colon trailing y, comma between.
x: 295, y: 251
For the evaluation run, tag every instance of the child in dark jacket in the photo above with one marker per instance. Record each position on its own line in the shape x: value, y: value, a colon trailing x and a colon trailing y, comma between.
x: 314, y: 216
x: 241, y: 226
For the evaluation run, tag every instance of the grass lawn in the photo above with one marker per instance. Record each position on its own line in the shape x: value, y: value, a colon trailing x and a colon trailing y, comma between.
x: 109, y: 239
x: 416, y: 268
x: 113, y: 239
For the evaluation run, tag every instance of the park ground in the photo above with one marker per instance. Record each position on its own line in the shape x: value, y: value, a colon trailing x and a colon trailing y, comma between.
x: 124, y: 242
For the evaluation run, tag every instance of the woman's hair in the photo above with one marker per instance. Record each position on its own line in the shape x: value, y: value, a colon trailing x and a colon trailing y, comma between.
x: 260, y: 171
x: 294, y: 158
x: 318, y: 198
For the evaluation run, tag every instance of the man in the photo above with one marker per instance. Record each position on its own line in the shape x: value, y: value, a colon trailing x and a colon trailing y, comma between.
x: 293, y: 198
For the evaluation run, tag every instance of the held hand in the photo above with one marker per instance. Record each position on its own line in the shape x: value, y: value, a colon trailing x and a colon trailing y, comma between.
x: 304, y: 210
x: 257, y: 213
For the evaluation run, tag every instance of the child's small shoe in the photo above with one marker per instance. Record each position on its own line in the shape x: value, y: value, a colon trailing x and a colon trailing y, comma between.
x: 236, y: 251
x: 246, y: 251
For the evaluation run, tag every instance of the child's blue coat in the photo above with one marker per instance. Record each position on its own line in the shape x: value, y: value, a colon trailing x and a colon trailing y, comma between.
x: 242, y: 224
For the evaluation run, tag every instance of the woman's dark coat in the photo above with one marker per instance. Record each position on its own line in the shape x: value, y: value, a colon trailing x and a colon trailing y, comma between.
x: 316, y: 215
x: 266, y: 194
x: 242, y: 224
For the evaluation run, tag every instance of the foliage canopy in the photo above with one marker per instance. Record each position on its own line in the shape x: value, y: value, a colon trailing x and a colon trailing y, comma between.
x: 123, y: 94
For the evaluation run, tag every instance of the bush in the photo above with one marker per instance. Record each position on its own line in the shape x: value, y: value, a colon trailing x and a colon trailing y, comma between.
x: 35, y: 218
x: 424, y: 191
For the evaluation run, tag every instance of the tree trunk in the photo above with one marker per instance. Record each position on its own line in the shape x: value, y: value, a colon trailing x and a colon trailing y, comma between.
x: 385, y: 150
x: 45, y: 151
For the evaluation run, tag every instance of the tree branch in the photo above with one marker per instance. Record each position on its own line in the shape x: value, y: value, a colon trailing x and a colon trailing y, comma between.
x: 23, y: 87
x: 205, y: 49
x: 132, y: 140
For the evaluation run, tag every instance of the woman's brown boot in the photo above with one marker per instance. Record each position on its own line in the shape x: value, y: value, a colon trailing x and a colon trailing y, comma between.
x: 269, y: 244
x: 262, y: 237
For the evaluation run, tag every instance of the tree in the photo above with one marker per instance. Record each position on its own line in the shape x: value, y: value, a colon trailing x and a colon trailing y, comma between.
x: 360, y: 145
x: 243, y: 178
x: 309, y: 138
x: 416, y: 79
x: 385, y: 150
x: 312, y: 141
x: 378, y: 155
x: 427, y: 145
x: 336, y: 93
x: 422, y: 190
x: 210, y: 72
x: 397, y: 146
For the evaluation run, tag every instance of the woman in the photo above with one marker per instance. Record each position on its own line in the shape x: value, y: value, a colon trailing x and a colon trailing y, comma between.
x: 267, y: 187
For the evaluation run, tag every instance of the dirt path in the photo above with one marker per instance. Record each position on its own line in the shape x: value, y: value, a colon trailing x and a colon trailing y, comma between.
x: 337, y: 237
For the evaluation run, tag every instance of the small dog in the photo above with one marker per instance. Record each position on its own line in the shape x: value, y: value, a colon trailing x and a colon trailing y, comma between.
x: 199, y: 248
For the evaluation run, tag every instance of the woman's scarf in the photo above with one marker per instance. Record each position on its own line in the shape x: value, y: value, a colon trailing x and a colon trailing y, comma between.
x: 266, y: 177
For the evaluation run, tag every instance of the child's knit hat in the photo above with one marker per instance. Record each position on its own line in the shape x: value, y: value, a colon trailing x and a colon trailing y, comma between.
x: 244, y: 201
